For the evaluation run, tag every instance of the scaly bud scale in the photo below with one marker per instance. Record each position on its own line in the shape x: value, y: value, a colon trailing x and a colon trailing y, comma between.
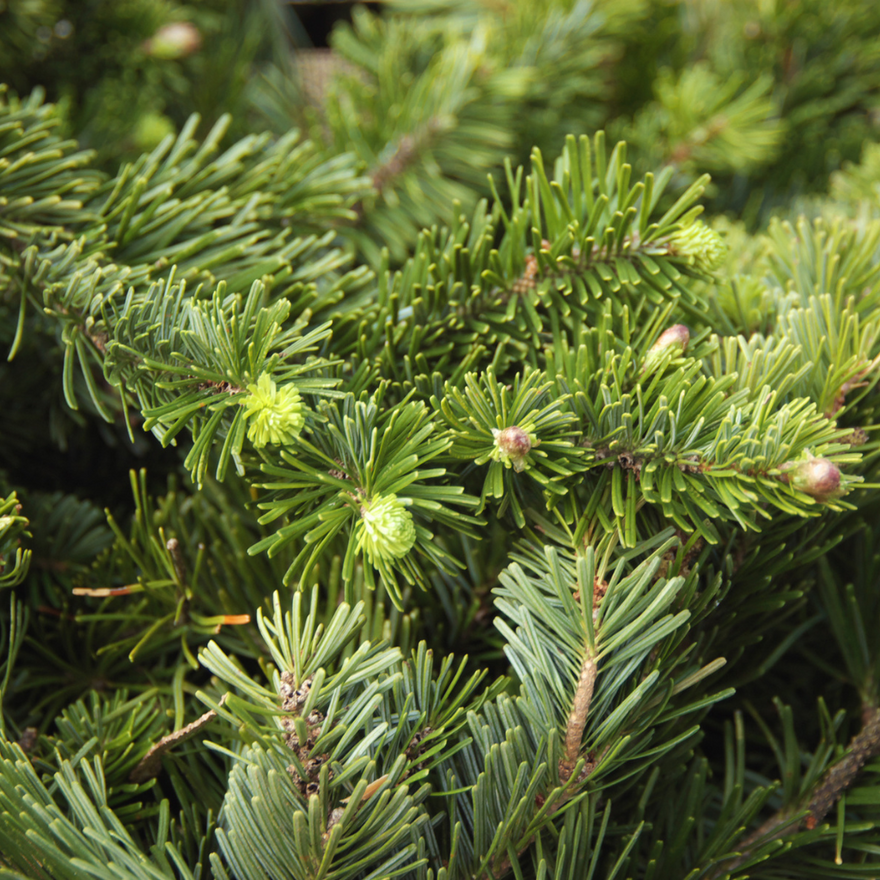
x: 512, y: 446
x: 814, y: 476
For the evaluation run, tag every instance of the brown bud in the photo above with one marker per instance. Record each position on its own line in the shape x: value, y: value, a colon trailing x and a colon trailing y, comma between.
x: 858, y: 437
x: 513, y: 444
x: 175, y: 40
x: 676, y: 335
x: 817, y: 477
x: 674, y: 339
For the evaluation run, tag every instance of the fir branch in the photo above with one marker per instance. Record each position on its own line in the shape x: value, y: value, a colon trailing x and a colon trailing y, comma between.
x: 577, y: 719
x: 408, y: 150
x: 545, y: 327
x: 150, y: 766
x: 574, y: 734
x: 864, y: 746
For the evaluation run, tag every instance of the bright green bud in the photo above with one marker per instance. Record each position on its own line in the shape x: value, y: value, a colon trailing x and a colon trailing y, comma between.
x: 275, y: 414
x: 704, y: 248
x: 386, y: 528
x: 151, y: 130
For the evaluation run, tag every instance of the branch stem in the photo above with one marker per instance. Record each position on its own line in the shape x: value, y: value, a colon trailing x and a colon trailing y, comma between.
x: 863, y: 746
x: 839, y: 776
x: 574, y: 733
x: 577, y: 718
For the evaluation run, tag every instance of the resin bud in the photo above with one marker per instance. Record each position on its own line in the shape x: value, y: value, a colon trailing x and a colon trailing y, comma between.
x: 512, y: 446
x: 670, y: 344
x: 175, y: 40
x: 817, y: 477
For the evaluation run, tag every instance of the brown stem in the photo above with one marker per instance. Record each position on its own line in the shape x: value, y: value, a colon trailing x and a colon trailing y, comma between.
x: 577, y: 718
x: 177, y: 560
x: 574, y: 734
x: 150, y: 766
x: 682, y: 151
x: 839, y: 776
x: 864, y: 746
x: 409, y: 147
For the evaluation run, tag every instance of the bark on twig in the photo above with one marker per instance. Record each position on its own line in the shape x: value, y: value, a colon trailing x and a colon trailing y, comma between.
x: 839, y: 776
x: 574, y: 734
x: 864, y: 746
x: 577, y: 719
x: 150, y: 765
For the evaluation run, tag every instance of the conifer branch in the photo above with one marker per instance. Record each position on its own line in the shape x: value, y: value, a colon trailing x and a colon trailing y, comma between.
x: 574, y: 732
x: 864, y: 746
x: 651, y: 420
x: 150, y: 765
x: 408, y: 149
x: 577, y: 719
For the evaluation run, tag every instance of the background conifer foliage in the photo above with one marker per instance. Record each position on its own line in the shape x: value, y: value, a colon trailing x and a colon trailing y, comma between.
x: 445, y: 453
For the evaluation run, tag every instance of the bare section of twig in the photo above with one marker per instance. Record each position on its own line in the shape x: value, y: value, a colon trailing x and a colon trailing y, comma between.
x: 150, y: 765
x: 577, y: 718
x: 574, y: 734
x: 864, y: 746
x: 839, y: 776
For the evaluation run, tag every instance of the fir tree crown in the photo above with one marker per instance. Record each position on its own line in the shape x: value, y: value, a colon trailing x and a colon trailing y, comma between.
x: 414, y: 465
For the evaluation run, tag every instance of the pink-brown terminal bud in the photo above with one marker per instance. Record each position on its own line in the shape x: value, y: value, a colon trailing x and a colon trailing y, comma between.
x: 676, y: 335
x: 673, y: 340
x: 178, y: 39
x: 817, y: 477
x: 512, y: 445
